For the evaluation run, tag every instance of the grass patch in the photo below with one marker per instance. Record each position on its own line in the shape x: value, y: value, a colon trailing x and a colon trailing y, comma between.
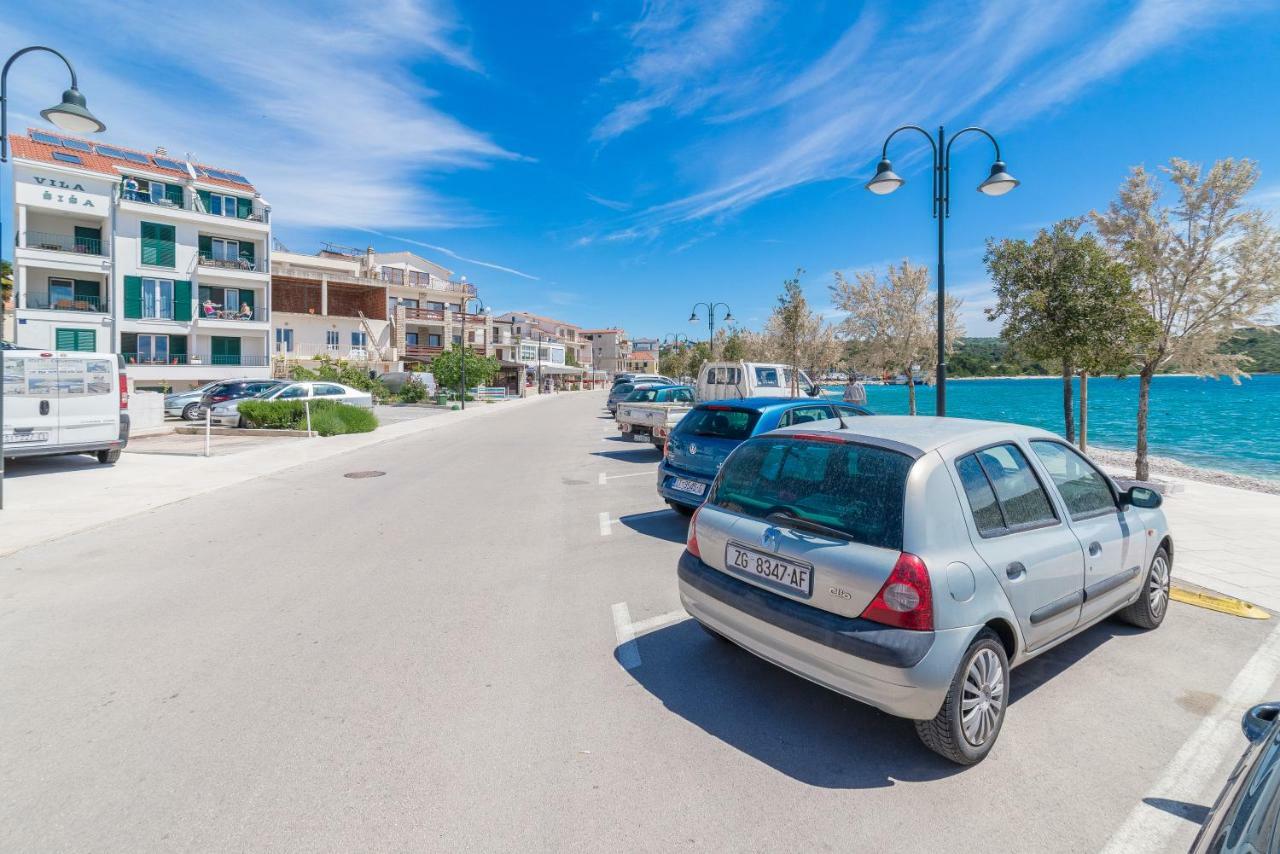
x: 328, y: 418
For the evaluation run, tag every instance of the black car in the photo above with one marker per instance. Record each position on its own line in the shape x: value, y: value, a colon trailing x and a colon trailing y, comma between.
x: 234, y: 390
x: 1246, y: 816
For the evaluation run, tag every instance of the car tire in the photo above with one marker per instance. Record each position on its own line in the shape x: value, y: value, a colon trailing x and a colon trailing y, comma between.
x: 682, y: 509
x: 191, y: 411
x: 1153, y: 603
x: 983, y: 673
x: 108, y: 458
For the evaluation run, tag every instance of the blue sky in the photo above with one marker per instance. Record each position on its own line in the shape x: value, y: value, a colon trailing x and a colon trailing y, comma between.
x: 615, y: 162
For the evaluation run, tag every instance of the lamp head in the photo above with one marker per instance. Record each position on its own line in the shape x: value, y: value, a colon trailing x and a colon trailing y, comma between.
x: 728, y: 316
x: 885, y: 181
x: 998, y: 182
x: 693, y: 317
x: 73, y: 115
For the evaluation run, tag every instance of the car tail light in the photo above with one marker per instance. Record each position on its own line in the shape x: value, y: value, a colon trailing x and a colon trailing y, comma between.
x: 124, y: 390
x: 692, y: 542
x: 906, y: 598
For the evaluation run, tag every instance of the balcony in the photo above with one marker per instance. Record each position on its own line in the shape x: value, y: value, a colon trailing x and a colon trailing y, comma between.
x: 424, y: 314
x: 95, y: 305
x: 158, y: 201
x: 195, y: 361
x: 240, y: 265
x: 233, y: 315
x: 62, y: 243
x: 421, y: 351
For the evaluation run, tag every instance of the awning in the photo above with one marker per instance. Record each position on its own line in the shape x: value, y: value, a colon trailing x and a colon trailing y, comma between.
x: 556, y: 369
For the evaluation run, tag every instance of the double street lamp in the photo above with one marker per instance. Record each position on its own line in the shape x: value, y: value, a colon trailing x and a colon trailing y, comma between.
x: 997, y: 183
x: 484, y: 309
x: 711, y: 321
x: 70, y: 114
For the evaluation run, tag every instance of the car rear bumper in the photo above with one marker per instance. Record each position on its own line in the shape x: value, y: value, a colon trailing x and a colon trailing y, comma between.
x: 232, y: 420
x: 905, y: 673
x: 666, y: 475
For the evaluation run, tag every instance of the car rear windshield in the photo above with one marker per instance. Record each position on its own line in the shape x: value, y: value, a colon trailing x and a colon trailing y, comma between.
x: 719, y: 422
x: 623, y: 389
x: 854, y: 490
x: 643, y: 395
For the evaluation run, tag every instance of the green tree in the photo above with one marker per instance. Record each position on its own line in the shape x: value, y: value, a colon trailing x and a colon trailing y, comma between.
x: 6, y: 279
x: 1064, y: 299
x: 447, y: 368
x: 799, y: 335
x: 1205, y: 267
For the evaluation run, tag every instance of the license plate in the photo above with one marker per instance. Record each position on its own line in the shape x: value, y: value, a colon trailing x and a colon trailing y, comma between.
x: 789, y: 575
x: 15, y: 438
x: 691, y: 486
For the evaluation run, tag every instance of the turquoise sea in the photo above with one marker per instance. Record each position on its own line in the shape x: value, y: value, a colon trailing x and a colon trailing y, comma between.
x: 1210, y: 423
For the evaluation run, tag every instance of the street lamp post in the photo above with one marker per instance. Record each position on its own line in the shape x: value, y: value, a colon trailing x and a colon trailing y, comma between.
x: 997, y: 183
x: 711, y: 322
x: 72, y: 115
x: 463, y: 354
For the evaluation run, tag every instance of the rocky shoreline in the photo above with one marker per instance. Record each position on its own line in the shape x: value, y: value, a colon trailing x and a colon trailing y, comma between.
x: 1164, y: 466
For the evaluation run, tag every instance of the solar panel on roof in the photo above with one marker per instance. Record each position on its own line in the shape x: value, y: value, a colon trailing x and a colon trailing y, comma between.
x: 76, y: 145
x: 239, y: 179
x: 134, y: 157
x: 49, y: 138
x: 166, y: 163
x: 108, y: 151
x: 66, y: 158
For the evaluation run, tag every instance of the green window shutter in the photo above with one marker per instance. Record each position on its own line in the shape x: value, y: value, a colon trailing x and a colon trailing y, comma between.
x: 225, y: 350
x: 244, y: 207
x: 132, y: 297
x: 158, y: 248
x: 64, y: 339
x: 246, y: 297
x: 204, y: 199
x: 206, y: 246
x: 246, y: 252
x: 182, y: 300
x: 178, y: 347
x: 168, y: 246
x: 86, y: 289
x: 129, y: 346
x: 149, y: 243
x: 173, y: 192
x: 80, y: 340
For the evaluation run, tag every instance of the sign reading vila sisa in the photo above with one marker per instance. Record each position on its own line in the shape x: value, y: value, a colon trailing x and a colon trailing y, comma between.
x: 62, y: 192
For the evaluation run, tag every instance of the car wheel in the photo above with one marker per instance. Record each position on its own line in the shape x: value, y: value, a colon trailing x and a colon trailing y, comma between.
x: 970, y: 719
x: 1153, y: 603
x: 191, y: 412
x: 108, y: 458
x: 682, y: 509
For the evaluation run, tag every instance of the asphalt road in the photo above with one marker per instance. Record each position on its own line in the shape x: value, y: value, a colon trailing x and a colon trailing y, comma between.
x: 441, y: 658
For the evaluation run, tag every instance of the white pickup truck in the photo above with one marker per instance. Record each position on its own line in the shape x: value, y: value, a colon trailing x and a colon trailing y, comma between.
x: 654, y: 413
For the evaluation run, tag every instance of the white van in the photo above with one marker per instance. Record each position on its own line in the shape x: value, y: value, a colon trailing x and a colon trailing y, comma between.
x: 65, y: 403
x: 736, y: 380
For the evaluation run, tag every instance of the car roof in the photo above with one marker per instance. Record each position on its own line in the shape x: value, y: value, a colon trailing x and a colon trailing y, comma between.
x: 760, y: 404
x: 918, y: 435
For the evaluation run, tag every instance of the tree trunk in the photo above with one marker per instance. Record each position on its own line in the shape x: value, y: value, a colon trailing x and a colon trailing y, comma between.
x: 911, y: 392
x: 1141, y: 469
x: 1084, y: 410
x: 1067, y: 407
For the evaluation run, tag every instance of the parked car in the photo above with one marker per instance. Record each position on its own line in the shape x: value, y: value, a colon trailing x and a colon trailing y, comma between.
x: 186, y: 404
x: 909, y: 563
x: 1244, y: 817
x: 65, y: 403
x: 704, y: 437
x: 731, y: 380
x: 642, y: 378
x: 648, y: 409
x: 227, y: 413
x: 234, y: 390
x: 622, y: 391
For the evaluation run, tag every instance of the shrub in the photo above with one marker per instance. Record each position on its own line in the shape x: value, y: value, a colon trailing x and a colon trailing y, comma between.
x: 328, y: 418
x: 413, y: 392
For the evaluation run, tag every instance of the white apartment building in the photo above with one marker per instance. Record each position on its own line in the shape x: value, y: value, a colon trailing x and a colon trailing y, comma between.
x: 156, y: 257
x: 381, y: 308
x: 528, y: 325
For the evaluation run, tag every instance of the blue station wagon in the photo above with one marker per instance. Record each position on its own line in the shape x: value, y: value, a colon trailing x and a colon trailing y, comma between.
x: 703, y: 439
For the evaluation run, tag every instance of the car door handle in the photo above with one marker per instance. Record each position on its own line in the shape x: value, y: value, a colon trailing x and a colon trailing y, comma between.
x: 1095, y: 549
x: 1015, y: 570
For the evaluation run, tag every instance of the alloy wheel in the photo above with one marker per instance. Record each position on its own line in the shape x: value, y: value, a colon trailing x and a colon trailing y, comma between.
x: 1158, y: 587
x: 982, y: 697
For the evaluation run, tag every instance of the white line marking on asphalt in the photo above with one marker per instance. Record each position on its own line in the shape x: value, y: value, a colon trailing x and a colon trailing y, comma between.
x: 657, y: 622
x: 1216, y: 740
x: 605, y: 478
x: 606, y: 525
x: 628, y: 652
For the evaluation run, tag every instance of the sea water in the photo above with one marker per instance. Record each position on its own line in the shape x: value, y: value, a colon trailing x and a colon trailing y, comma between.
x: 1201, y: 422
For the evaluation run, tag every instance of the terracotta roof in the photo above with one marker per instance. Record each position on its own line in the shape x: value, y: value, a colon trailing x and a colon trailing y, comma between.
x: 30, y: 149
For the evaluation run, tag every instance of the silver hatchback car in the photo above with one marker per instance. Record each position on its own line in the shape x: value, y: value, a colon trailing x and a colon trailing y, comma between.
x: 910, y: 562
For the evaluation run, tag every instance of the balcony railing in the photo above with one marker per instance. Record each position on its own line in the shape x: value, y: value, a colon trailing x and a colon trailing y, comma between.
x: 44, y: 301
x: 195, y: 361
x: 159, y: 201
x: 423, y: 314
x: 421, y: 351
x: 62, y: 243
x: 258, y: 265
x: 215, y: 312
x: 372, y: 280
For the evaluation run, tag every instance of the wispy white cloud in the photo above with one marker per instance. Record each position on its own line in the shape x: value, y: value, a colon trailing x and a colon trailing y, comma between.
x: 450, y: 253
x: 322, y: 104
x: 611, y: 204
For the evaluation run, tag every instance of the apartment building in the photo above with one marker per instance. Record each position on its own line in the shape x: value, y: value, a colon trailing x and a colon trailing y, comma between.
x: 577, y: 348
x: 381, y: 308
x: 643, y: 358
x: 609, y: 349
x: 157, y: 257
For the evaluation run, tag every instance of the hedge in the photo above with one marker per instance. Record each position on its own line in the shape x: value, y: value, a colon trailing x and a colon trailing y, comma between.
x: 328, y: 418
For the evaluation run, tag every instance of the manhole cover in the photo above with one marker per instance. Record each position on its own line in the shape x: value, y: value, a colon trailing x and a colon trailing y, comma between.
x: 356, y: 475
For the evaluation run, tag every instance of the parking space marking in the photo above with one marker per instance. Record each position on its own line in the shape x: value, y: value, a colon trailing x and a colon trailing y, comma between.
x: 643, y: 626
x: 628, y: 652
x: 605, y: 478
x: 606, y: 525
x: 1149, y: 828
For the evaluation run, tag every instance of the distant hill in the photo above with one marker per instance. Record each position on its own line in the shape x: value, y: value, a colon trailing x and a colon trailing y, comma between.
x: 991, y: 357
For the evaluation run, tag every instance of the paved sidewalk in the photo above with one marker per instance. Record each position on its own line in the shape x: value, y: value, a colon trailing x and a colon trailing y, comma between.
x: 51, y: 497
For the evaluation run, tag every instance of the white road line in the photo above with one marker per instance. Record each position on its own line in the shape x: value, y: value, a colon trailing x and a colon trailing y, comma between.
x: 657, y: 622
x: 605, y: 478
x: 628, y: 652
x: 606, y: 525
x: 1215, y: 741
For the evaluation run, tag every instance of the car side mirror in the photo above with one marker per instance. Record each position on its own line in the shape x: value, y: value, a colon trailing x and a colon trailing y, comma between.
x: 1141, y: 496
x: 1257, y: 722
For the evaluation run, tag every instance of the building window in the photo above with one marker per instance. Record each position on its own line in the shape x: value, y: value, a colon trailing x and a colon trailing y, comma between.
x: 331, y: 339
x: 393, y: 275
x: 433, y: 340
x: 358, y: 340
x: 435, y: 306
x: 157, y: 298
x: 81, y: 340
x: 153, y: 349
x: 284, y: 340
x: 225, y: 250
x: 411, y: 339
x: 457, y: 339
x: 220, y: 205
